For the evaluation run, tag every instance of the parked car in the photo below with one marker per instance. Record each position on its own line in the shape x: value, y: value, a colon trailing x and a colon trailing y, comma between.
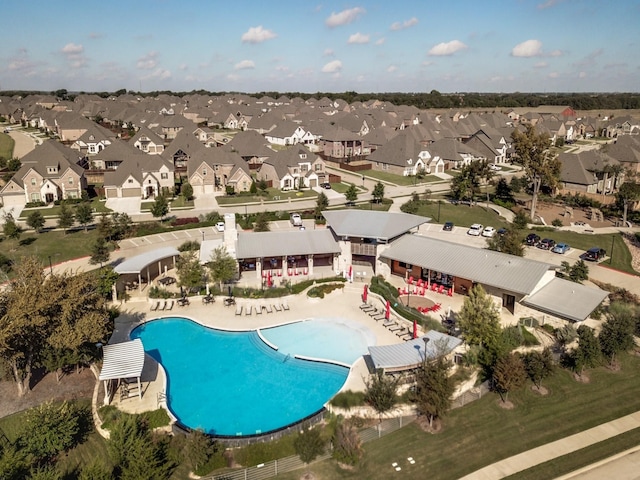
x: 532, y: 239
x: 494, y: 167
x: 7, y: 130
x: 501, y: 231
x: 475, y: 230
x: 220, y: 226
x: 488, y: 232
x: 448, y: 226
x: 546, y: 244
x: 296, y: 220
x: 561, y: 248
x: 595, y: 254
x: 326, y: 185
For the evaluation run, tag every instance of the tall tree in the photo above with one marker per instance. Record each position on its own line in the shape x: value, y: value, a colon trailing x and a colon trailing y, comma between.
x: 36, y: 220
x: 190, y: 272
x: 11, y: 229
x: 588, y: 353
x: 381, y: 392
x: 434, y: 389
x: 186, y: 191
x: 309, y: 445
x: 508, y: 374
x: 509, y: 242
x: 540, y: 166
x: 84, y: 214
x: 378, y: 192
x: 66, y: 219
x: 617, y: 332
x: 160, y: 207
x: 322, y: 203
x: 538, y: 365
x: 479, y: 318
x: 223, y: 266
x: 99, y: 252
x: 351, y: 194
x: 262, y: 222
x: 628, y: 193
x: 466, y: 185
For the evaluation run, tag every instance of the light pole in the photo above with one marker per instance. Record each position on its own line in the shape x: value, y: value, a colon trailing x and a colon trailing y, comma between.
x: 202, y: 231
x: 50, y: 266
x: 426, y: 340
x: 613, y: 238
x: 439, y: 203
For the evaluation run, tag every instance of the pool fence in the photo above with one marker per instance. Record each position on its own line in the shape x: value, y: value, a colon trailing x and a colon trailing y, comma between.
x: 288, y: 464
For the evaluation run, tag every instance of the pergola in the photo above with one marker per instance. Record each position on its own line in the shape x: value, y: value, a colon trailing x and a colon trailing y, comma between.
x: 122, y: 361
x: 136, y: 265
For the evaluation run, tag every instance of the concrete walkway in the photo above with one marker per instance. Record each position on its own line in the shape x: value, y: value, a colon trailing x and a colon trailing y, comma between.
x: 549, y: 451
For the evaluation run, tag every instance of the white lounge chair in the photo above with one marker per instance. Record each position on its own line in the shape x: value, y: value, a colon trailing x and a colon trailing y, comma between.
x: 163, y: 305
x: 155, y: 306
x: 169, y: 305
x: 238, y: 309
x: 277, y: 307
x: 258, y: 309
x: 248, y: 310
x: 267, y: 307
x: 285, y: 305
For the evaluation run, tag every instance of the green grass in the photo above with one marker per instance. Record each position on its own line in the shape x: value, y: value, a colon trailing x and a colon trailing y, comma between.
x: 461, y: 215
x: 6, y: 146
x: 399, y: 179
x: 482, y: 433
x: 272, y: 195
x: 180, y: 202
x: 53, y: 211
x: 54, y: 244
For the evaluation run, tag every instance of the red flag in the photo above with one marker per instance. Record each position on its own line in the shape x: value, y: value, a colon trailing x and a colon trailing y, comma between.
x: 387, y: 312
x: 415, y: 328
x: 364, y: 294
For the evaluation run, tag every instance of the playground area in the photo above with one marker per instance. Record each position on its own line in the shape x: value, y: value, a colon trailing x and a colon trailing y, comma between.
x: 573, y: 215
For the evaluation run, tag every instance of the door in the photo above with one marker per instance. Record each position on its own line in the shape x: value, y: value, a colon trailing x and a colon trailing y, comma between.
x: 508, y: 302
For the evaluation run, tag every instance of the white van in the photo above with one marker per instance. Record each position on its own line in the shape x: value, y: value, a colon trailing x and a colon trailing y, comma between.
x: 296, y: 220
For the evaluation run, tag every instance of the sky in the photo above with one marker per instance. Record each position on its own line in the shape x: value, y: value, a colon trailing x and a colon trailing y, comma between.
x: 497, y: 46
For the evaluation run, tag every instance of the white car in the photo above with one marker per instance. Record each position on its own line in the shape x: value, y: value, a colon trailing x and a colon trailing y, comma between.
x: 494, y: 167
x: 220, y: 226
x: 488, y: 232
x: 475, y: 230
x: 296, y: 220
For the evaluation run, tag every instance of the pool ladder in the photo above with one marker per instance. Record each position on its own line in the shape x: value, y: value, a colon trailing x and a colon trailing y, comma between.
x: 162, y: 398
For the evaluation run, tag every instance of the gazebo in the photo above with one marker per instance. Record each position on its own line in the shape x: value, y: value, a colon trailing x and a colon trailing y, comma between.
x: 122, y: 361
x: 151, y: 263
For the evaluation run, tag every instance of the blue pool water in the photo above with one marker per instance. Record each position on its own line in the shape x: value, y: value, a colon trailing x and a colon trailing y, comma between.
x: 231, y: 383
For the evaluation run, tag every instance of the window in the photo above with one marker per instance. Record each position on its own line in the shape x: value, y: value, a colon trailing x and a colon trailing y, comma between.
x: 318, y: 167
x: 130, y: 180
x: 204, y: 172
x: 304, y: 167
x: 35, y: 197
x: 164, y: 176
x: 33, y: 181
x: 70, y: 180
x: 52, y: 169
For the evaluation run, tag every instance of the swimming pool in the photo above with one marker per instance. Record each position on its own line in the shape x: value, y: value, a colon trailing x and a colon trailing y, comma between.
x: 233, y: 384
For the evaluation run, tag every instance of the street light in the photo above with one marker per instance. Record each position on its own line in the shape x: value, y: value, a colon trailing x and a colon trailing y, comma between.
x: 426, y: 340
x: 50, y: 266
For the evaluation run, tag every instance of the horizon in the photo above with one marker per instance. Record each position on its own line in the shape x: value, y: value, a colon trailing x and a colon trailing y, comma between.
x: 528, y: 46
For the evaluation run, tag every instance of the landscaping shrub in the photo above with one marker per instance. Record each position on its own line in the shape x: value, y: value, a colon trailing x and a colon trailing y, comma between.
x: 156, y: 418
x: 184, y: 221
x: 189, y: 246
x: 321, y: 290
x: 34, y: 204
x: 348, y: 400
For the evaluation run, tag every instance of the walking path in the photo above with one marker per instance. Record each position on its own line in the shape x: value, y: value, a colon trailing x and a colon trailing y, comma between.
x: 549, y: 451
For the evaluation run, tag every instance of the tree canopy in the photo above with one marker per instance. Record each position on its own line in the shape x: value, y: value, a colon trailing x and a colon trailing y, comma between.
x: 479, y: 318
x: 222, y: 266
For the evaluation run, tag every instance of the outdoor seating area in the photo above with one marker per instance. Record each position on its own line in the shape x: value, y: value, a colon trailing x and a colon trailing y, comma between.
x: 165, y: 281
x: 250, y: 309
x: 421, y: 287
x: 183, y: 302
x: 207, y: 299
x: 162, y: 304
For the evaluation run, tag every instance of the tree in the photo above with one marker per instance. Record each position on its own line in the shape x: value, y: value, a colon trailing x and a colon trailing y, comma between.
x: 628, y: 193
x: 520, y: 221
x: 11, y: 229
x: 503, y: 192
x: 122, y: 226
x: 190, y: 272
x: 540, y: 166
x: 36, y: 220
x: 479, y: 318
x: 381, y: 391
x: 65, y: 218
x: 538, y: 365
x: 351, y: 194
x: 187, y: 191
x: 434, y: 388
x: 262, y: 222
x: 509, y: 242
x: 565, y: 335
x: 308, y: 445
x: 587, y: 354
x: 578, y: 272
x: 617, y: 331
x: 96, y: 470
x: 466, y: 185
x: 322, y: 203
x: 199, y: 449
x: 263, y: 186
x: 99, y: 252
x: 347, y: 445
x: 378, y: 192
x: 508, y: 374
x: 222, y: 266
x: 84, y: 214
x: 160, y: 207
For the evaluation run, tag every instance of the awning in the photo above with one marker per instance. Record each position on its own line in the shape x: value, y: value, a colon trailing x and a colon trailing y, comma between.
x: 122, y: 360
x: 139, y: 262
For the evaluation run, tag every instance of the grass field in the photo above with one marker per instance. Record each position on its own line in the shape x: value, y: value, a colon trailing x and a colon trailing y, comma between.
x: 272, y: 195
x: 461, y: 215
x: 399, y: 179
x: 6, y: 146
x: 482, y: 433
x: 54, y: 210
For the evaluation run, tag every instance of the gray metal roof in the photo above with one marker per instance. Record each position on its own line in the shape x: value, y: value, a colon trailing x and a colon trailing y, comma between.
x: 410, y: 354
x: 500, y: 270
x: 279, y: 244
x: 139, y: 262
x: 566, y: 299
x: 122, y: 360
x: 370, y: 224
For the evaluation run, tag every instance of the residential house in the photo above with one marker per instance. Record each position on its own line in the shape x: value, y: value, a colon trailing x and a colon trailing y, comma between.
x: 289, y: 133
x: 147, y: 141
x: 490, y: 143
x: 251, y: 146
x: 405, y: 155
x: 293, y: 168
x: 94, y: 140
x: 212, y: 170
x: 340, y: 143
x: 140, y: 176
x: 626, y: 150
x: 181, y: 148
x: 454, y: 153
x: 587, y: 172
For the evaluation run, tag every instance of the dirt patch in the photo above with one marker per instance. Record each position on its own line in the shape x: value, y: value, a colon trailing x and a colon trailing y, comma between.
x: 551, y: 212
x: 540, y: 390
x: 71, y: 387
x: 584, y: 378
x: 506, y: 405
x: 416, y: 301
x: 423, y: 423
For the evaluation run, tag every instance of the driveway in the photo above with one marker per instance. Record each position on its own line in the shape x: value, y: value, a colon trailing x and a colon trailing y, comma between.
x: 130, y: 206
x: 24, y: 142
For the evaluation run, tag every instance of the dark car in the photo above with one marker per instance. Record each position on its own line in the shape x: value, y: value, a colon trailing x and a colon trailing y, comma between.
x: 546, y: 244
x: 595, y: 254
x: 326, y: 185
x: 532, y: 239
x: 448, y: 226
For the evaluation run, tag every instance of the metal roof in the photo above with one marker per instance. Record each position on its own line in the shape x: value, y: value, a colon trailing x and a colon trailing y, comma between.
x: 500, y: 270
x: 566, y: 299
x: 279, y: 244
x: 139, y: 262
x: 122, y: 360
x: 371, y: 224
x: 208, y: 247
x: 410, y: 354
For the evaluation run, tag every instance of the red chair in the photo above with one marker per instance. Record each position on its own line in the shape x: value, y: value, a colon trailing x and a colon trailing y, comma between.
x: 441, y: 289
x: 420, y: 283
x: 434, y: 287
x: 450, y: 292
x: 399, y: 290
x: 410, y: 281
x: 306, y: 271
x: 405, y: 291
x: 289, y: 271
x: 279, y: 273
x: 421, y: 292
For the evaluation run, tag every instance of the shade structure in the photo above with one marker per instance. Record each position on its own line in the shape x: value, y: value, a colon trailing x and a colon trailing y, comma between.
x: 365, y: 293
x: 415, y: 328
x: 387, y: 311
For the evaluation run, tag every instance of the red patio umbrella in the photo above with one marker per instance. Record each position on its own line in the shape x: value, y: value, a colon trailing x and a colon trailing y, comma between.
x: 387, y: 312
x: 364, y: 294
x: 415, y: 328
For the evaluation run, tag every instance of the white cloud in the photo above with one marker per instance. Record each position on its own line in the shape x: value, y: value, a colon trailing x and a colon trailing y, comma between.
x: 541, y: 65
x: 556, y: 53
x: 332, y: 67
x: 72, y: 49
x: 358, y: 38
x: 282, y: 68
x: 553, y: 75
x: 244, y: 65
x: 257, y: 35
x: 344, y: 17
x: 158, y: 73
x: 406, y: 24
x: 547, y: 4
x: 582, y: 75
x: 446, y: 49
x: 380, y: 41
x: 391, y: 68
x: 183, y: 67
x: 148, y: 61
x: 530, y: 48
x: 328, y: 53
x: 75, y: 55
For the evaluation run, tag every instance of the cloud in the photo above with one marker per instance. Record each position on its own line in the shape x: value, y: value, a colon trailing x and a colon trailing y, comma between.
x: 547, y: 4
x: 402, y: 25
x: 74, y: 54
x: 540, y: 65
x: 344, y: 17
x: 328, y: 52
x: 582, y: 75
x: 530, y: 48
x: 332, y: 67
x: 148, y: 61
x: 447, y: 49
x: 95, y: 35
x: 257, y: 35
x: 72, y: 49
x: 556, y: 53
x: 22, y: 63
x: 358, y: 38
x: 391, y: 68
x: 553, y: 75
x: 158, y: 73
x: 380, y: 41
x: 244, y: 65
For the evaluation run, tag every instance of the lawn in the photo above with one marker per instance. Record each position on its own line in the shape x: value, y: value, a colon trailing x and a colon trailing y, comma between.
x: 399, y: 179
x: 343, y: 187
x: 6, y: 146
x: 55, y: 244
x: 482, y: 433
x: 461, y: 215
x: 54, y: 210
x: 272, y: 195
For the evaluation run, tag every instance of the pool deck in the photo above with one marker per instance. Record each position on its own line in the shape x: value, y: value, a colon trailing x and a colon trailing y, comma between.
x: 344, y: 303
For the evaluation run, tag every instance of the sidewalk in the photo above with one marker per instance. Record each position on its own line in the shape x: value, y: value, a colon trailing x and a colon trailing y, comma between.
x: 549, y: 451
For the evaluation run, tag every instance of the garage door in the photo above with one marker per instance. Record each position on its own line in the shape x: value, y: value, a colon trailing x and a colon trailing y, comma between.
x: 13, y: 201
x: 130, y: 192
x: 209, y: 189
x: 111, y: 192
